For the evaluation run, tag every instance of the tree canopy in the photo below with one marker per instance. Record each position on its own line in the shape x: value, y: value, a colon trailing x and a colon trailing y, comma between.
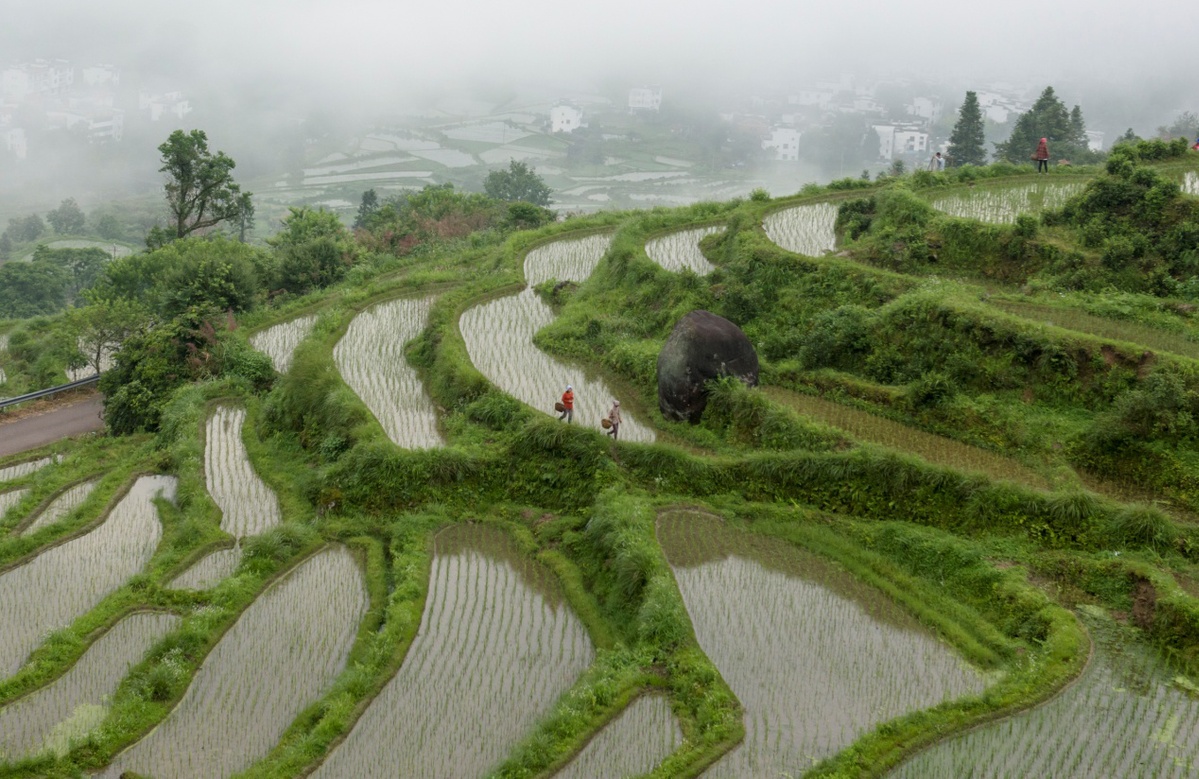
x: 518, y: 182
x: 200, y: 189
x: 1048, y: 118
x: 966, y: 142
x: 67, y: 218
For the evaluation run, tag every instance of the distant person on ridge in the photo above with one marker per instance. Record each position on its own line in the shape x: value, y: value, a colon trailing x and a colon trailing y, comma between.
x: 568, y: 405
x: 614, y: 418
x: 1042, y: 156
x: 936, y: 162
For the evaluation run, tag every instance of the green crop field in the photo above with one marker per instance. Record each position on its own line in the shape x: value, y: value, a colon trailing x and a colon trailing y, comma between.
x: 337, y: 530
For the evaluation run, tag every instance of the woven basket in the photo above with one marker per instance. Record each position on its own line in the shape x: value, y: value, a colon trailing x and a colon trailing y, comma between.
x: 606, y: 423
x: 559, y: 407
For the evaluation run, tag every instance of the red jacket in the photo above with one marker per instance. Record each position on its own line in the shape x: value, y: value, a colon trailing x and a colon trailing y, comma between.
x: 568, y: 399
x: 1042, y: 151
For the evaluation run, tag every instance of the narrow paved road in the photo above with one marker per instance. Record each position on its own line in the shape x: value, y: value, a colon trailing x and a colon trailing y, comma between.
x: 65, y: 421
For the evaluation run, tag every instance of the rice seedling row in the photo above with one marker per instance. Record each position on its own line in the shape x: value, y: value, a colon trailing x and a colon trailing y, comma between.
x: 1001, y: 205
x: 279, y: 342
x: 65, y: 581
x: 62, y: 505
x: 497, y: 645
x: 632, y: 744
x: 816, y: 658
x: 1073, y: 319
x: 680, y: 250
x: 248, y: 506
x: 885, y: 432
x: 209, y: 571
x: 1190, y: 183
x: 804, y: 229
x: 499, y: 339
x: 1123, y: 717
x: 371, y: 359
x: 55, y: 717
x: 282, y: 653
x: 566, y: 260
x: 10, y: 499
x: 21, y: 470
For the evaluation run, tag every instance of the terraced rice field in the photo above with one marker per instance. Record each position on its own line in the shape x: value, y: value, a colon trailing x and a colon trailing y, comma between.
x: 371, y: 359
x: 572, y: 259
x: 1001, y: 205
x: 10, y: 499
x: 1071, y: 319
x: 279, y: 342
x: 281, y: 655
x: 804, y: 229
x: 497, y: 646
x: 1122, y: 718
x: 680, y: 250
x: 938, y: 450
x: 1190, y: 183
x: 632, y: 744
x: 21, y: 470
x: 65, y: 581
x: 816, y: 658
x: 64, y: 504
x: 499, y: 339
x: 248, y: 506
x: 73, y: 705
x: 209, y: 571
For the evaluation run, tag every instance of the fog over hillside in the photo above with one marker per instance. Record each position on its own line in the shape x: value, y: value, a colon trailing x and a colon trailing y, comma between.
x: 255, y: 72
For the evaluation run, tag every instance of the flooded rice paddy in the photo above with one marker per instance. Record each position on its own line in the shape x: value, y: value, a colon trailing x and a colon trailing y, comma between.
x: 1001, y: 205
x: 1124, y: 717
x: 65, y: 581
x: 938, y: 450
x: 499, y: 339
x: 642, y: 736
x: 816, y: 658
x: 680, y: 250
x: 209, y: 571
x: 280, y: 341
x: 572, y: 259
x: 804, y: 229
x: 281, y: 655
x: 71, y: 706
x: 11, y: 498
x: 370, y: 357
x: 62, y: 505
x: 21, y: 470
x: 1190, y: 183
x: 248, y: 506
x: 497, y: 645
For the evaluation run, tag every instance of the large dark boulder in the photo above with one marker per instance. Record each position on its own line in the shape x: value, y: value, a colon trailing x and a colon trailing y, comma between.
x: 702, y: 346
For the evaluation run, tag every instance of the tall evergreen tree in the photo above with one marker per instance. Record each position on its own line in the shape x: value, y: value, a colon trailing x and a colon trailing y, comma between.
x: 368, y: 206
x: 966, y: 142
x: 1048, y: 118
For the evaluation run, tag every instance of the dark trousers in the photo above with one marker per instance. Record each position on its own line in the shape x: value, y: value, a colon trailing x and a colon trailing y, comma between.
x: 1042, y: 165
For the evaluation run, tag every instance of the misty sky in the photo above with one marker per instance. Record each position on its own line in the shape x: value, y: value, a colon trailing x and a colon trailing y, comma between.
x: 359, y: 47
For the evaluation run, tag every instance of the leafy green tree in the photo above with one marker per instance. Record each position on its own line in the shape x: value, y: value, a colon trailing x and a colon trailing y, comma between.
x: 966, y: 142
x: 1128, y: 137
x: 103, y: 324
x: 84, y: 265
x: 67, y: 218
x: 314, y: 250
x: 1185, y: 125
x: 32, y: 289
x: 200, y: 189
x: 28, y: 228
x: 1048, y: 118
x: 108, y: 226
x: 518, y: 182
x: 368, y: 206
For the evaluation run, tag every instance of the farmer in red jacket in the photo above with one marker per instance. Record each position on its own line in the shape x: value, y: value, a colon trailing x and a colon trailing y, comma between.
x: 1042, y: 156
x: 568, y: 404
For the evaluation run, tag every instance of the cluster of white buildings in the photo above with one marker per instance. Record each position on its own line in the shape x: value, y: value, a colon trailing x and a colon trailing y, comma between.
x: 53, y: 94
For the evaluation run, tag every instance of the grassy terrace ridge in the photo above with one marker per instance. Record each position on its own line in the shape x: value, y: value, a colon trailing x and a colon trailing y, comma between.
x: 920, y: 334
